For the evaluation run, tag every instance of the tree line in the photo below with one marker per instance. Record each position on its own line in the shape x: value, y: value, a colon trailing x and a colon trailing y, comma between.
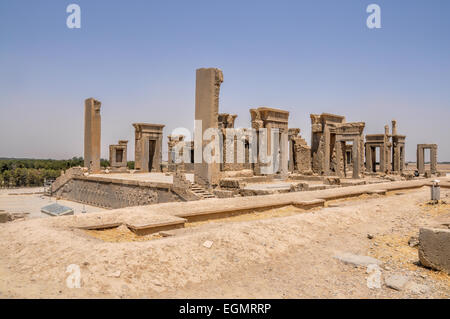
x: 34, y: 172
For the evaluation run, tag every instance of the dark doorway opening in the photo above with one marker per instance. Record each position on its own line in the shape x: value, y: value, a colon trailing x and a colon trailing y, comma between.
x: 151, y: 154
x: 119, y: 156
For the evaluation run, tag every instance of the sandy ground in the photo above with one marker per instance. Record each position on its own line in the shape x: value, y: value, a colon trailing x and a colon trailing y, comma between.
x: 440, y: 167
x: 30, y: 200
x: 285, y: 253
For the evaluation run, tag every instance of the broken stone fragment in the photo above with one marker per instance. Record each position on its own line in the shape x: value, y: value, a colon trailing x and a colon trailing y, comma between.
x: 208, y: 244
x: 357, y: 260
x: 413, y: 241
x: 115, y: 274
x: 396, y: 282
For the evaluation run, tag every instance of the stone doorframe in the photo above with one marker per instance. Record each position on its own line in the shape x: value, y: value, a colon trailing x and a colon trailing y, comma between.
x: 145, y: 132
x: 421, y: 157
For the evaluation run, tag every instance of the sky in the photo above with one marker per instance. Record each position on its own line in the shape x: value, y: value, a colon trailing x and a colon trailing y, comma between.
x: 139, y: 59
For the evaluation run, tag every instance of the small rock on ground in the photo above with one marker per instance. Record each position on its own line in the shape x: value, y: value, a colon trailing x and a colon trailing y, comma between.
x: 357, y: 260
x: 396, y: 282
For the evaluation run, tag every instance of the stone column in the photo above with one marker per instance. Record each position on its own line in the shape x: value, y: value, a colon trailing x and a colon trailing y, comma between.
x: 292, y: 133
x: 92, y: 134
x: 433, y: 159
x: 340, y: 170
x: 386, y: 150
x: 291, y: 155
x: 368, y: 158
x: 208, y: 81
x: 157, y: 161
x: 420, y: 163
x: 356, y: 159
x: 326, y: 160
x: 361, y: 154
x: 284, y: 154
x: 394, y: 127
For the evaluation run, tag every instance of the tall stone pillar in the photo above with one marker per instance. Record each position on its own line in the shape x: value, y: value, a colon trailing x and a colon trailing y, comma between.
x: 292, y: 133
x: 208, y: 81
x: 433, y: 159
x: 420, y: 163
x: 394, y: 127
x: 369, y: 157
x: 356, y: 158
x: 327, y: 155
x: 284, y: 154
x: 92, y: 134
x: 340, y: 165
x: 291, y: 155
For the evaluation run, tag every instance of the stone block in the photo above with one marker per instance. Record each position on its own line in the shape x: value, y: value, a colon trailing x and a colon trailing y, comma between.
x: 229, y: 183
x: 434, y: 248
x: 4, y: 217
x: 220, y: 193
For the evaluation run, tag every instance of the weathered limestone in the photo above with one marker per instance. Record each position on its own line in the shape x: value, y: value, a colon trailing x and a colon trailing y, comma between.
x: 3, y: 216
x: 270, y: 118
x: 148, y: 147
x: 434, y: 248
x: 172, y: 142
x: 226, y: 120
x: 349, y: 132
x: 232, y: 140
x: 329, y: 137
x: 398, y: 149
x: 92, y: 134
x: 114, y: 193
x: 299, y: 153
x: 383, y: 143
x: 208, y: 81
x: 118, y: 155
x: 421, y: 157
x: 323, y: 140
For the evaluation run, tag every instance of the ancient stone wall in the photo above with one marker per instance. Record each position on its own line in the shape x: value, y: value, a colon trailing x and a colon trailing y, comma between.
x: 113, y: 195
x: 299, y: 152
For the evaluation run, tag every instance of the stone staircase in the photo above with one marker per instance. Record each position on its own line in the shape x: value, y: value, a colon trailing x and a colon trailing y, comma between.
x: 201, y: 192
x: 65, y: 177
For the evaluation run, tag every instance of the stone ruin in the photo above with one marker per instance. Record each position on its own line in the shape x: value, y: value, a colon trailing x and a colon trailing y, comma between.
x: 398, y: 149
x: 337, y: 147
x: 207, y: 89
x: 338, y: 151
x: 421, y: 158
x: 330, y: 139
x: 148, y: 147
x: 381, y: 142
x: 118, y: 156
x: 299, y: 153
x: 391, y: 151
x: 270, y: 118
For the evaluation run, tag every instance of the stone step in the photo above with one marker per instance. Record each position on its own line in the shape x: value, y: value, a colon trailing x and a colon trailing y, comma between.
x: 201, y: 191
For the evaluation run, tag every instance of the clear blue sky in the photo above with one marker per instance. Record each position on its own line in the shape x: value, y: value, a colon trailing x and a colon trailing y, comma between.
x: 139, y: 59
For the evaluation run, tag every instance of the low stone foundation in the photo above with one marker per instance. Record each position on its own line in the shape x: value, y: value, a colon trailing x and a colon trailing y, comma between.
x: 109, y: 194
